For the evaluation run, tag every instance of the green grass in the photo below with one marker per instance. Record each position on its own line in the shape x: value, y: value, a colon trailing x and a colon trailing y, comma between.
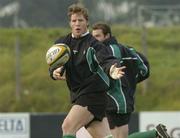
x: 39, y: 93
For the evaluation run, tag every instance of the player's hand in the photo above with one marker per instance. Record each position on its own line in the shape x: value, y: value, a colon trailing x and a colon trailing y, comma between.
x: 57, y: 74
x: 116, y: 73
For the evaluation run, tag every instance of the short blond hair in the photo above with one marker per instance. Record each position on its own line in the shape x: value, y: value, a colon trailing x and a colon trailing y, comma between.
x: 78, y: 8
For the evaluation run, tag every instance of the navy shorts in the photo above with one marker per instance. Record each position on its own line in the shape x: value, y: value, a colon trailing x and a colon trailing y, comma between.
x: 117, y: 120
x: 96, y: 104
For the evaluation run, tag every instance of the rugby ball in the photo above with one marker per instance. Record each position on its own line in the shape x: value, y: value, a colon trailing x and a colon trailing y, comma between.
x: 57, y: 55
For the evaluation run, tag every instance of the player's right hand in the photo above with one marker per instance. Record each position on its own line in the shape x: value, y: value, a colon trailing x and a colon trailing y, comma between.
x: 57, y: 74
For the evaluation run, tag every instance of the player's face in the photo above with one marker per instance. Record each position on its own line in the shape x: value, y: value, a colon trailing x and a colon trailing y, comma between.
x: 98, y: 34
x: 78, y: 24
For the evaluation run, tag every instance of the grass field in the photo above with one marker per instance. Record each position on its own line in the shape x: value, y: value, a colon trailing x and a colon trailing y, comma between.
x: 38, y: 93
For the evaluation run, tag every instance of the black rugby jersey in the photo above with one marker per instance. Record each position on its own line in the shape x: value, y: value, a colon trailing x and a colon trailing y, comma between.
x: 85, y: 70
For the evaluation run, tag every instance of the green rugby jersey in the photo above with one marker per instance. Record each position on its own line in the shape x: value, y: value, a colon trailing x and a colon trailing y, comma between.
x: 121, y: 92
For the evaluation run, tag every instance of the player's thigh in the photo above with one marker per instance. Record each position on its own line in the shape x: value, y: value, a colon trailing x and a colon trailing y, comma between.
x: 119, y: 124
x: 83, y: 133
x: 77, y: 117
x: 96, y: 104
x: 99, y: 129
x: 120, y: 132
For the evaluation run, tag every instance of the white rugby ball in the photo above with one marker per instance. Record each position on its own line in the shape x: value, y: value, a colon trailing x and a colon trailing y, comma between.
x: 57, y: 55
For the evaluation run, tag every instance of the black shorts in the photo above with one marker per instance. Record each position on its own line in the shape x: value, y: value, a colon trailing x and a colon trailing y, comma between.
x: 117, y: 120
x: 95, y: 102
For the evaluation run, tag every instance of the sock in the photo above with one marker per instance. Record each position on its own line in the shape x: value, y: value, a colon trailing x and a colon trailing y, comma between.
x: 147, y: 134
x: 69, y: 136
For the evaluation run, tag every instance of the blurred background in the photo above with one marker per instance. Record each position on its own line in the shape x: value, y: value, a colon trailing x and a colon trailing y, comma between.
x: 45, y: 13
x: 29, y: 27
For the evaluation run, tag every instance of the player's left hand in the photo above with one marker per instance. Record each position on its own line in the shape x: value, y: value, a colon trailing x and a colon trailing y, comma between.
x: 115, y: 72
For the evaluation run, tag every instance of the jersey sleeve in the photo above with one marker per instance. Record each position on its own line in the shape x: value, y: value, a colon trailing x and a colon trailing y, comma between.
x: 105, y: 58
x: 142, y: 66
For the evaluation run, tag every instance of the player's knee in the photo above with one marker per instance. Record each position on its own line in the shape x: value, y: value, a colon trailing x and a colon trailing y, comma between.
x: 70, y: 126
x: 66, y: 126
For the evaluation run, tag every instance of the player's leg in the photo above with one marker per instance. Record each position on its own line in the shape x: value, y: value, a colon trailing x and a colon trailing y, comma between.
x: 83, y: 133
x: 76, y: 118
x: 147, y: 134
x: 99, y: 125
x: 92, y: 110
x: 159, y: 132
x: 120, y: 132
x: 119, y: 124
x: 99, y: 129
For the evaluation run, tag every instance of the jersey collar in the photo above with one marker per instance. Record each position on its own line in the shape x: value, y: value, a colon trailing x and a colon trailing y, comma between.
x: 86, y: 33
